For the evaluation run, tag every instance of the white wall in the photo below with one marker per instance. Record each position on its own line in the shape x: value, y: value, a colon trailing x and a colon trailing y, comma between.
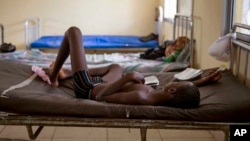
x: 119, y: 17
x: 207, y: 28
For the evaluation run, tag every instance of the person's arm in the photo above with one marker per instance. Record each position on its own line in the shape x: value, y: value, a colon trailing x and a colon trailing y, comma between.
x: 118, y: 84
x: 213, y: 76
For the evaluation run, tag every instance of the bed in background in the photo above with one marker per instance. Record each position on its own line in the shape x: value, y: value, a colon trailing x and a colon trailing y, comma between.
x: 127, y: 57
x: 33, y: 40
x: 39, y: 104
x: 102, y: 43
x: 128, y: 61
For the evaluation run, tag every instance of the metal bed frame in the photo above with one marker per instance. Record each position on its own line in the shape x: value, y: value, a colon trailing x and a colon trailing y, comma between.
x: 239, y: 47
x: 142, y: 124
x: 2, y: 33
x: 32, y: 31
x: 182, y: 26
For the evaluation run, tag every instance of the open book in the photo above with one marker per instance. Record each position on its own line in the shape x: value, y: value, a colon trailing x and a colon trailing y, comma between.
x: 188, y: 74
x: 152, y: 81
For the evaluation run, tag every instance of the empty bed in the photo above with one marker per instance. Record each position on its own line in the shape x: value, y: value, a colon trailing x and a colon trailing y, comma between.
x: 34, y: 40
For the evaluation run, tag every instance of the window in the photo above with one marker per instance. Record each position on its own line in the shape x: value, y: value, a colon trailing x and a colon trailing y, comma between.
x: 242, y: 13
x: 170, y: 9
x: 248, y: 16
x: 246, y: 12
x: 185, y: 7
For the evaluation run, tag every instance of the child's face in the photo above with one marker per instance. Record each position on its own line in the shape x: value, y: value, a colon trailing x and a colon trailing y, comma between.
x: 172, y: 87
x: 170, y: 90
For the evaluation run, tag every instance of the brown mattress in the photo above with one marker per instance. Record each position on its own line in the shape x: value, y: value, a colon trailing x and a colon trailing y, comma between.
x: 226, y: 101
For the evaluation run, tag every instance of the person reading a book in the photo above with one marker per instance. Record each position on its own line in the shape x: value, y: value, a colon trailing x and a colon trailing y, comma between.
x: 110, y: 85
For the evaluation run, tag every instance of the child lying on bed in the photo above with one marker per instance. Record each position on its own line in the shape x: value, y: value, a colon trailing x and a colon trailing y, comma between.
x: 107, y: 83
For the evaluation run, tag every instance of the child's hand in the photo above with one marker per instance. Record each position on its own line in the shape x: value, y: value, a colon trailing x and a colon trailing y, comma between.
x: 136, y: 77
x: 213, y: 76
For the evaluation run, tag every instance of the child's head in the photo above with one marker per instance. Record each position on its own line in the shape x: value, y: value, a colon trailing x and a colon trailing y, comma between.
x: 176, y: 47
x: 183, y: 95
x: 181, y: 42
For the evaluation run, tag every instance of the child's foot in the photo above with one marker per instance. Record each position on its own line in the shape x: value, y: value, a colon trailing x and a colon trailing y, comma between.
x: 63, y: 74
x: 52, y: 81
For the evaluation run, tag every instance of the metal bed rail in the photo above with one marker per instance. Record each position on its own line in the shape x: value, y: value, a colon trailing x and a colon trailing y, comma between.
x: 2, y: 33
x: 238, y: 48
x: 32, y: 29
x: 142, y: 124
x: 183, y: 26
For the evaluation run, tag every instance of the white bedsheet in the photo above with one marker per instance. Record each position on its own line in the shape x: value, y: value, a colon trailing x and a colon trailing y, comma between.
x: 129, y: 61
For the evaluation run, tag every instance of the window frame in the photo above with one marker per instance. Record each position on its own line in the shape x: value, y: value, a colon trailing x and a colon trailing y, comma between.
x: 168, y: 14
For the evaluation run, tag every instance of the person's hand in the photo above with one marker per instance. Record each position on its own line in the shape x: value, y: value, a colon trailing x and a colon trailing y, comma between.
x: 136, y: 77
x: 213, y: 76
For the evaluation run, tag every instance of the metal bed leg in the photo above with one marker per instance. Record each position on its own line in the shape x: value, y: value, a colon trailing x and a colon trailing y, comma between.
x: 226, y: 135
x: 34, y: 135
x: 2, y: 33
x: 143, y: 134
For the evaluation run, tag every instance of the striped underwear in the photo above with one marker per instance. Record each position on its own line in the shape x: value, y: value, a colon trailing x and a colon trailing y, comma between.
x: 83, y: 84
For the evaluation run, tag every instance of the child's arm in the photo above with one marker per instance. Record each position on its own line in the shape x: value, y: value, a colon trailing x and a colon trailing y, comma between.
x: 117, y: 85
x: 213, y: 76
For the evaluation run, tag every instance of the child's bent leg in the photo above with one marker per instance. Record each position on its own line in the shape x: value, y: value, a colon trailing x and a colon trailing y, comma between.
x: 77, y: 52
x: 63, y: 73
x: 71, y: 45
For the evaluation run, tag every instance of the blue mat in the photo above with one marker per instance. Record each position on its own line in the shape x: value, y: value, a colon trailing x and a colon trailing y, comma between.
x: 97, y: 41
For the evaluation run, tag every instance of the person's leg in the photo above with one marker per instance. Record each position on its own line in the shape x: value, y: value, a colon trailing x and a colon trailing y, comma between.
x: 63, y: 73
x: 108, y: 73
x: 71, y: 44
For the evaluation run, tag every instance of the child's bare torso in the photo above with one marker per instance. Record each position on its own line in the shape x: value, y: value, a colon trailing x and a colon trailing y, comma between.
x: 142, y: 88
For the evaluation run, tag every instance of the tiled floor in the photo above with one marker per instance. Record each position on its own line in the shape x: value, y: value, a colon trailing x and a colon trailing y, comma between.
x: 19, y: 133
